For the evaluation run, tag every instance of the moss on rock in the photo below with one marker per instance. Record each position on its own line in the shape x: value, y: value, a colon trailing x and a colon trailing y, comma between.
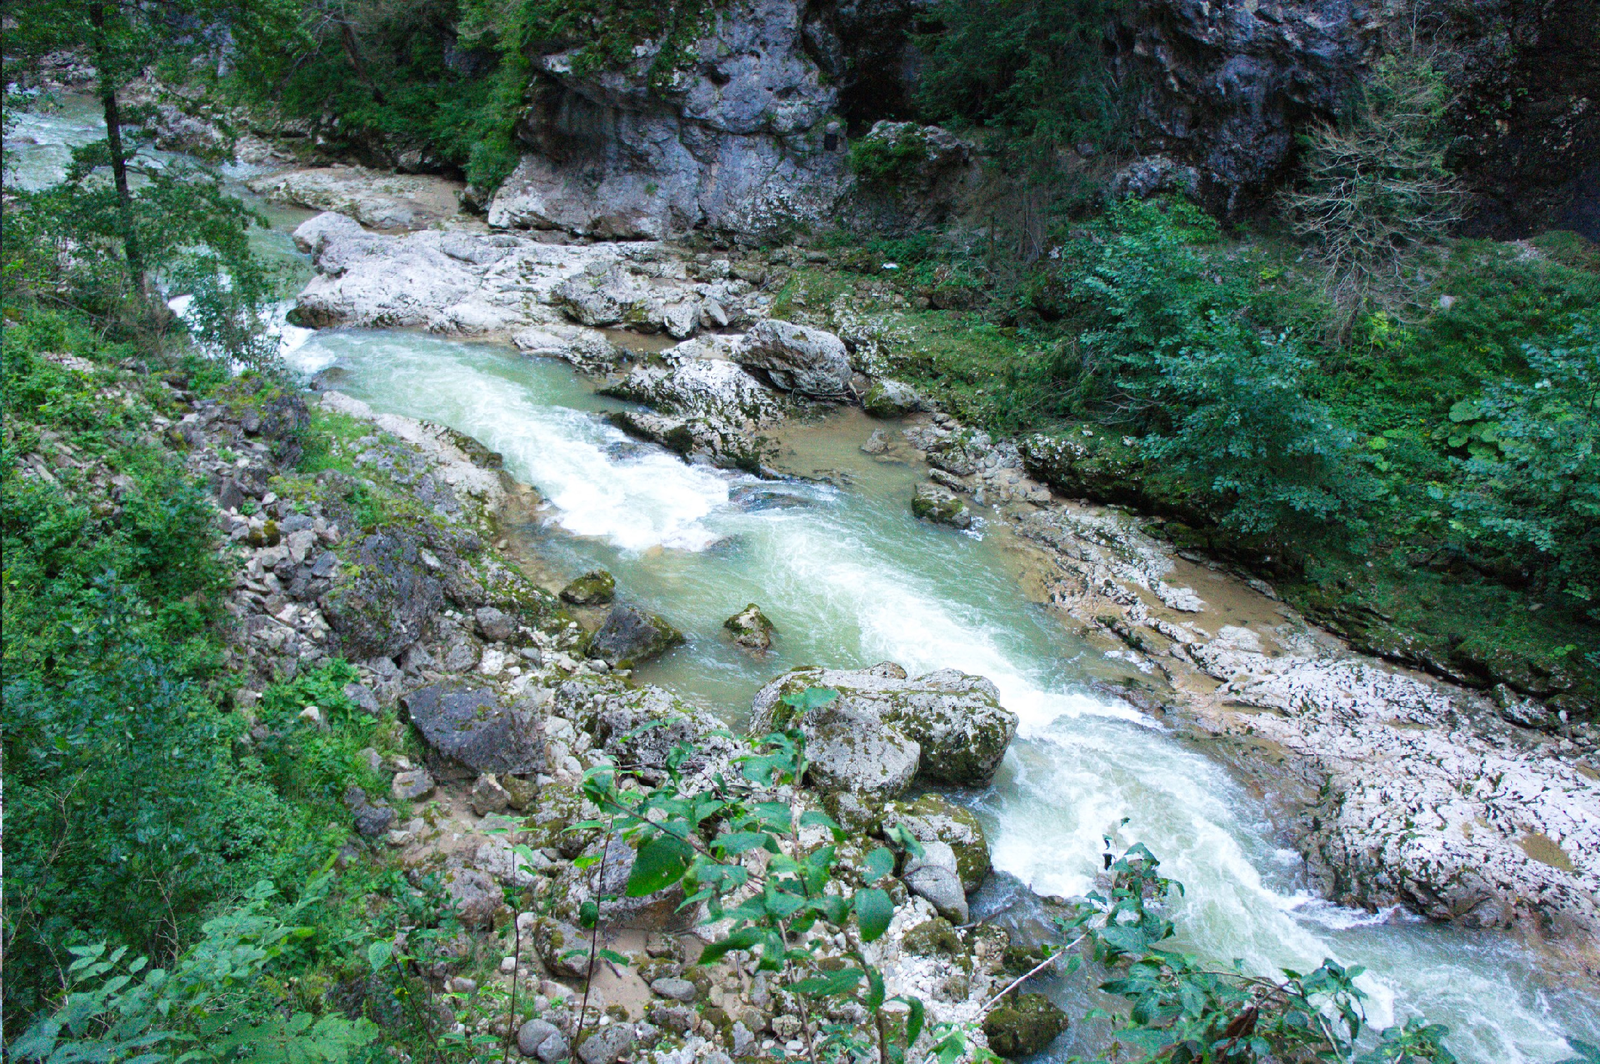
x: 1024, y: 1025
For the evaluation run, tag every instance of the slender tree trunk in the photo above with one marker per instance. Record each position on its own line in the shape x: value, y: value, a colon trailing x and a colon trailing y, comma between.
x: 119, y: 161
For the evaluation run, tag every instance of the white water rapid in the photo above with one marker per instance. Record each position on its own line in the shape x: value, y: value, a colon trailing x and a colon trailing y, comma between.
x: 850, y: 579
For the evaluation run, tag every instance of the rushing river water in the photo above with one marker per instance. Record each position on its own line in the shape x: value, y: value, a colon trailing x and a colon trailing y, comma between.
x: 850, y: 579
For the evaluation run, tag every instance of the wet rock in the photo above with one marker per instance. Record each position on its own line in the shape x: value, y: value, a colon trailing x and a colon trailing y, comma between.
x: 877, y: 443
x: 892, y: 399
x: 934, y: 818
x: 1024, y: 1025
x: 586, y: 348
x: 631, y: 635
x: 470, y: 732
x: 750, y: 628
x: 797, y: 358
x: 933, y: 876
x: 956, y: 719
x: 593, y: 588
x: 941, y: 506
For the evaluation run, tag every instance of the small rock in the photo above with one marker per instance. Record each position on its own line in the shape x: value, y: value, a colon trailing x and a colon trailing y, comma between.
x: 608, y: 1044
x: 313, y: 716
x: 1024, y: 1025
x: 363, y: 697
x: 495, y: 625
x: 940, y: 505
x: 933, y: 876
x: 674, y: 989
x: 488, y: 796
x: 877, y: 443
x: 522, y: 792
x: 594, y: 588
x: 751, y: 628
x: 532, y: 1036
x: 414, y: 785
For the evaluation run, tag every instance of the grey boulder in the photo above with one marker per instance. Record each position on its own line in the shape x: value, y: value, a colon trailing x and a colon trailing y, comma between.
x: 630, y: 635
x: 472, y: 732
x: 797, y: 358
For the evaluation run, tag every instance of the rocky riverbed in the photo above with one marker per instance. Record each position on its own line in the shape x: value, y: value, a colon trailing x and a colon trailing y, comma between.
x: 1398, y: 788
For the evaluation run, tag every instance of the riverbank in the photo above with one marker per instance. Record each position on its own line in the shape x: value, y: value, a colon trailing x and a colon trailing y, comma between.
x: 1412, y: 791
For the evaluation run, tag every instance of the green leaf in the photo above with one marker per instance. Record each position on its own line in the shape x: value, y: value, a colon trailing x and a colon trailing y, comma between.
x: 915, y: 1021
x: 817, y: 818
x: 659, y: 863
x: 588, y: 914
x: 829, y: 984
x: 614, y: 957
x: 809, y: 699
x: 874, y: 910
x: 875, y: 989
x: 879, y: 863
x: 379, y: 953
x: 743, y: 938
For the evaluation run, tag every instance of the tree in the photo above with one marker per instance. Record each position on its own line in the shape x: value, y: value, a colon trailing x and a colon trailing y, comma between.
x: 159, y: 220
x: 1376, y: 187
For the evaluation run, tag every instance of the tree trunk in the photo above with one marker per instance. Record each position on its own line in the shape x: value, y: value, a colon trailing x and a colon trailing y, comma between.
x: 119, y: 162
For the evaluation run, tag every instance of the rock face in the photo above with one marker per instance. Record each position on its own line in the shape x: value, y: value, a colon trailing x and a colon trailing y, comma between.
x: 473, y: 732
x: 948, y: 725
x: 797, y: 358
x: 740, y: 138
x: 1229, y: 84
x: 630, y: 634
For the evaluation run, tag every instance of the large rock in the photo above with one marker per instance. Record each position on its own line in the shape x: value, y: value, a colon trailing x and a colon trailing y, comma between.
x: 1024, y: 1025
x: 955, y: 719
x: 848, y: 748
x: 933, y: 818
x: 699, y: 387
x: 640, y: 727
x: 797, y: 358
x: 586, y: 348
x: 604, y: 883
x: 384, y: 608
x: 631, y: 635
x: 472, y: 732
x: 933, y: 876
x: 1228, y: 86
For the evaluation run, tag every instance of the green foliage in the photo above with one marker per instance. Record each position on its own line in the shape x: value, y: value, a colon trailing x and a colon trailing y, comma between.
x: 699, y: 838
x: 447, y: 79
x: 1031, y: 71
x: 887, y: 160
x: 1180, y: 1009
x: 1529, y: 496
x: 221, y: 1000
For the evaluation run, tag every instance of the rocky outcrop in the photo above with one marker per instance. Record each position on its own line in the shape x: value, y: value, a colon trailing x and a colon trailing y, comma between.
x: 949, y: 723
x: 741, y: 137
x: 465, y: 283
x: 1227, y: 86
x: 372, y: 197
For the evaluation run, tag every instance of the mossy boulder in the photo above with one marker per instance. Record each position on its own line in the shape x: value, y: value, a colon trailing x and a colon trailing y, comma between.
x: 941, y: 506
x: 594, y: 588
x: 1024, y: 1025
x: 934, y: 818
x: 892, y: 399
x: 955, y: 719
x: 631, y: 635
x: 751, y: 629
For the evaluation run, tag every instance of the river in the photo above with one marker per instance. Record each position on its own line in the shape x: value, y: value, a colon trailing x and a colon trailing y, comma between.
x: 851, y: 579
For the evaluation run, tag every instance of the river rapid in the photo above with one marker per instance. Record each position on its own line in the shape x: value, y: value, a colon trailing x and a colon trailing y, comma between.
x: 851, y: 579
